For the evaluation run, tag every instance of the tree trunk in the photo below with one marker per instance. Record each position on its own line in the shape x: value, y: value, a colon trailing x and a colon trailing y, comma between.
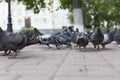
x: 78, y: 17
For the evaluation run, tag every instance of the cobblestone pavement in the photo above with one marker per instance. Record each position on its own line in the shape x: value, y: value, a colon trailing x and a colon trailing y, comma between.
x: 40, y: 63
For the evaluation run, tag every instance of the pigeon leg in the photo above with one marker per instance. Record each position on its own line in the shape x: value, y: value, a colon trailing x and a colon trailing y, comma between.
x: 58, y: 46
x: 48, y: 45
x: 98, y: 47
x: 18, y: 51
x: 69, y: 45
x: 95, y: 47
x: 103, y: 46
x: 14, y: 56
x: 7, y: 52
x: 84, y: 48
x: 79, y: 47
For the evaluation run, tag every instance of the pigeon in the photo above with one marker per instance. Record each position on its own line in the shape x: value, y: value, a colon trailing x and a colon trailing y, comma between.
x: 74, y: 35
x: 43, y: 39
x: 2, y: 48
x: 117, y: 36
x: 58, y: 39
x: 37, y: 32
x: 63, y: 40
x: 88, y: 34
x: 64, y: 37
x: 79, y: 38
x: 14, y: 41
x: 48, y: 39
x: 82, y: 41
x: 108, y: 37
x: 97, y: 38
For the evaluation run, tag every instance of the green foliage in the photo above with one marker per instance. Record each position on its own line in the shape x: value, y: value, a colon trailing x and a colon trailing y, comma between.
x: 27, y: 30
x: 34, y: 5
x: 102, y: 13
x: 66, y: 4
x: 70, y: 17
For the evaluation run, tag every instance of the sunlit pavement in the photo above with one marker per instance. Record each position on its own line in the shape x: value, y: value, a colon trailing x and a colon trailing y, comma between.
x: 37, y: 62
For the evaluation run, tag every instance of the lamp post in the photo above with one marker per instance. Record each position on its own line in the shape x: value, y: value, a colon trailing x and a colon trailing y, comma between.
x: 9, y: 25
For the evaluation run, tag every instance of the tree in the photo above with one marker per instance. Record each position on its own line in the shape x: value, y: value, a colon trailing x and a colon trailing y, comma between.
x: 34, y: 5
x: 96, y: 13
x: 78, y: 16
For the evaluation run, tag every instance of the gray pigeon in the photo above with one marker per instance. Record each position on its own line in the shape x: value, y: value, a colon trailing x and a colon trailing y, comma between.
x: 117, y: 37
x: 79, y: 38
x: 14, y: 41
x: 97, y: 38
x: 82, y: 41
x: 108, y: 38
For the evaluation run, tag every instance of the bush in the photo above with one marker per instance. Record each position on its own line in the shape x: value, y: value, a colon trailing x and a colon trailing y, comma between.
x: 27, y: 30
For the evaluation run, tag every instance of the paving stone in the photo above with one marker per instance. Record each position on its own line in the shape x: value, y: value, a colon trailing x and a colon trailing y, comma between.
x: 8, y: 77
x: 86, y: 78
x: 37, y: 62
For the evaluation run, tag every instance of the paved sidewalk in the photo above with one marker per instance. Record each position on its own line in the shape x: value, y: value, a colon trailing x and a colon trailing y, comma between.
x: 40, y: 63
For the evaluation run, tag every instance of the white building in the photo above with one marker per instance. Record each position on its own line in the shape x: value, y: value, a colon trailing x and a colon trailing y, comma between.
x: 43, y: 20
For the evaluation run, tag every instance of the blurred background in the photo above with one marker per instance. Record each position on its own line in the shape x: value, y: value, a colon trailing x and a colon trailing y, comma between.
x: 26, y: 18
x: 54, y: 14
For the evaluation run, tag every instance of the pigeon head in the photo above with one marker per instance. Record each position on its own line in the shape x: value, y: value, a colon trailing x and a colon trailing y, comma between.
x: 77, y: 30
x: 64, y: 27
x: 97, y: 29
x: 37, y: 32
x: 70, y: 28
